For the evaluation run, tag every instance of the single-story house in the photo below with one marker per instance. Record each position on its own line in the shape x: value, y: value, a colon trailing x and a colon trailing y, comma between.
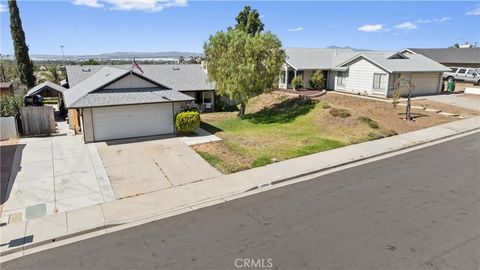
x: 115, y: 102
x: 450, y: 57
x: 369, y: 72
x: 6, y: 89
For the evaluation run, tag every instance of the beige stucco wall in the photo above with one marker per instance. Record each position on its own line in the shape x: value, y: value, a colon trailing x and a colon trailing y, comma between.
x: 87, y: 125
x: 130, y: 81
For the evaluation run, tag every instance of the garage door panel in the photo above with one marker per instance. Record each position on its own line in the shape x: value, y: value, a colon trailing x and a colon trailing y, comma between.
x: 426, y: 83
x: 132, y: 121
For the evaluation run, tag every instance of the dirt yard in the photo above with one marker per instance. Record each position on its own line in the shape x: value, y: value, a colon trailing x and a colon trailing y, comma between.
x: 384, y: 113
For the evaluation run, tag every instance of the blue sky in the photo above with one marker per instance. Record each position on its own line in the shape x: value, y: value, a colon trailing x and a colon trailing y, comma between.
x: 97, y: 26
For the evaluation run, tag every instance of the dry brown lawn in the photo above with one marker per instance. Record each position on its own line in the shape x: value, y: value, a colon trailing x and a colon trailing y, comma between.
x: 279, y: 127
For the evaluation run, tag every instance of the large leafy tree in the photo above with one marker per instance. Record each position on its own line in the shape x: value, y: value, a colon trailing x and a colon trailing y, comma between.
x: 243, y: 65
x: 248, y: 20
x: 22, y: 59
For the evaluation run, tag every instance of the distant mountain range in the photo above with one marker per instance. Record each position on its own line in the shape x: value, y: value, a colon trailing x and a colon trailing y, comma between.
x: 140, y: 55
x: 348, y: 47
x: 116, y: 55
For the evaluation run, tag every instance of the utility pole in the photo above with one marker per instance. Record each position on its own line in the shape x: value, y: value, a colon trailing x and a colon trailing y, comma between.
x: 63, y: 56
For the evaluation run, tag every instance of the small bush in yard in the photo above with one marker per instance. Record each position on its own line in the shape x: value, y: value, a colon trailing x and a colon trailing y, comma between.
x: 342, y: 113
x: 297, y: 83
x: 367, y: 120
x: 326, y: 106
x: 187, y: 122
x: 317, y: 81
x: 9, y: 105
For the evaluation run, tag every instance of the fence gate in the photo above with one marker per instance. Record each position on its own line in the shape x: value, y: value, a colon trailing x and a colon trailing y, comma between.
x: 8, y: 128
x: 37, y: 120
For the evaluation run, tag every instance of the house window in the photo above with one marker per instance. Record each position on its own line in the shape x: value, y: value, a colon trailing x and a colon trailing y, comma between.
x: 207, y: 97
x: 379, y: 81
x: 341, y: 78
x: 394, y: 78
x: 300, y: 74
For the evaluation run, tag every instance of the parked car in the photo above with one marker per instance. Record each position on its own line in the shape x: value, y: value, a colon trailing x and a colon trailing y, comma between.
x: 463, y: 74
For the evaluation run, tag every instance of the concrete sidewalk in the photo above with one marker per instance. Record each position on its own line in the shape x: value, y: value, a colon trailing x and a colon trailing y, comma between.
x: 32, y: 236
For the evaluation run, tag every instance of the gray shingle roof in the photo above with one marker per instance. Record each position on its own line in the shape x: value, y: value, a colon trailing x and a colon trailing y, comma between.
x: 89, y: 92
x: 315, y: 58
x: 177, y: 77
x: 98, y: 79
x: 451, y: 55
x: 45, y: 85
x: 130, y: 96
x: 413, y: 63
x: 311, y: 58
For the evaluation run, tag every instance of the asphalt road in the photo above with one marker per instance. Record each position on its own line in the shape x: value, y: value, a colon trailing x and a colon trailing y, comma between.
x: 418, y: 210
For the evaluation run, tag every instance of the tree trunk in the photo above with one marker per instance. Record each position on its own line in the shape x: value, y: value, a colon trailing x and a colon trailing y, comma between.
x: 408, y: 115
x: 241, y: 113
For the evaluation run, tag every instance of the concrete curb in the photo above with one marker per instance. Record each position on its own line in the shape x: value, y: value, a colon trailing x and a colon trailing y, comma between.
x: 214, y: 200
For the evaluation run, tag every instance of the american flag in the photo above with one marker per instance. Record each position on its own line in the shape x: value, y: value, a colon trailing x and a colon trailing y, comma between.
x: 136, y: 66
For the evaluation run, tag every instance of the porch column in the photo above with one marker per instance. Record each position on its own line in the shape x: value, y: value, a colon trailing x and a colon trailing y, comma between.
x: 286, y: 77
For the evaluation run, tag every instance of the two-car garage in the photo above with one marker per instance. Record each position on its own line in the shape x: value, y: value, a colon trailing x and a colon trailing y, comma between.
x: 116, y: 122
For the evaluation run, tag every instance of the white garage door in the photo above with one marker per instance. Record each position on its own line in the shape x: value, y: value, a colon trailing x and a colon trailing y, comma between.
x: 130, y: 121
x: 425, y: 83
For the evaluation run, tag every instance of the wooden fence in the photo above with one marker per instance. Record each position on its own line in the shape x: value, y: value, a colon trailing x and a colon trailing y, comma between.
x: 37, y: 120
x: 8, y: 128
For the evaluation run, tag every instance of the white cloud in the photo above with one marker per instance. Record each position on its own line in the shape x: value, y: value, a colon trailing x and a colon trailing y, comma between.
x: 140, y: 5
x: 406, y: 26
x: 442, y: 20
x: 3, y: 8
x: 474, y: 12
x: 88, y: 3
x: 419, y: 21
x: 371, y: 28
x: 296, y: 29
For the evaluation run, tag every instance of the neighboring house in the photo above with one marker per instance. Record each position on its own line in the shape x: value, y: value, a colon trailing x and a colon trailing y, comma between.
x: 450, y: 57
x: 6, y: 89
x: 119, y: 102
x: 369, y: 73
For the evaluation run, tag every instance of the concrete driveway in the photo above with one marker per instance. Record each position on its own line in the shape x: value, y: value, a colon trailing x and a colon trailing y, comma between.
x: 50, y: 175
x: 466, y: 101
x: 137, y: 166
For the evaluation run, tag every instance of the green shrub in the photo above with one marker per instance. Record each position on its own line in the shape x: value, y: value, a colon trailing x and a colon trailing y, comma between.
x: 326, y: 106
x: 9, y: 105
x: 342, y: 113
x: 186, y: 122
x: 367, y: 120
x: 297, y: 83
x: 317, y: 81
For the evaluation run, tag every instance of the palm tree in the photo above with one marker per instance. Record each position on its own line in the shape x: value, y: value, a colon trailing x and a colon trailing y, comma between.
x: 51, y: 74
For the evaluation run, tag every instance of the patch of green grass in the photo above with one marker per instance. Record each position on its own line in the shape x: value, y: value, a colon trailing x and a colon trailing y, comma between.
x: 374, y: 135
x: 367, y: 120
x: 262, y: 160
x: 210, y: 158
x: 317, y: 146
x: 283, y: 112
x: 342, y: 113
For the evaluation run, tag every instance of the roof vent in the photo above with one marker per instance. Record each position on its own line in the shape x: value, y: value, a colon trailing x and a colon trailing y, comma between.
x: 86, y: 70
x: 176, y: 68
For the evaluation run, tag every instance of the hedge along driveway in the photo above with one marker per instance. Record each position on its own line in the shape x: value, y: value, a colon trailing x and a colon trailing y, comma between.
x: 285, y: 128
